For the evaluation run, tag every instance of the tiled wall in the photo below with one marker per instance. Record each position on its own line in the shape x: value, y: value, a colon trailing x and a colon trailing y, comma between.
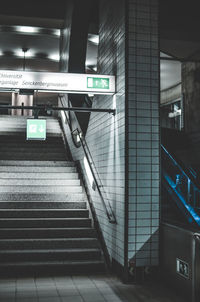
x: 143, y: 131
x: 128, y: 50
x: 106, y: 133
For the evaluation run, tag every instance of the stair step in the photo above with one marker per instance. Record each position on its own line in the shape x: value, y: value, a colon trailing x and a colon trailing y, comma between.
x: 40, y: 189
x: 51, y: 267
x: 36, y: 150
x: 23, y: 133
x: 16, y: 141
x: 23, y: 117
x: 21, y: 233
x: 41, y: 197
x: 44, y: 222
x: 22, y: 129
x: 44, y: 213
x: 39, y: 182
x: 29, y: 163
x: 33, y: 156
x: 48, y: 243
x: 22, y: 204
x: 33, y: 169
x: 22, y: 126
x: 40, y: 175
x: 50, y: 255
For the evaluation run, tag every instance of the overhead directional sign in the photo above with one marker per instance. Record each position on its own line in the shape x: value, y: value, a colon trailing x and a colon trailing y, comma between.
x: 57, y: 82
x: 36, y: 129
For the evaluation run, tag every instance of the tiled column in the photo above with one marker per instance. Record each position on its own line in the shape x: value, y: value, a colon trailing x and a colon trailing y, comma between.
x: 142, y: 128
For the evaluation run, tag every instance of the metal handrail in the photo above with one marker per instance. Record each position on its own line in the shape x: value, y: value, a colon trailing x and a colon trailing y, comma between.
x: 190, y: 187
x: 107, y: 207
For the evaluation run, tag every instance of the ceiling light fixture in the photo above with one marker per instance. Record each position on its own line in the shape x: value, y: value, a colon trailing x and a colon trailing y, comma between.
x: 54, y: 57
x: 56, y: 32
x: 27, y: 29
x: 20, y: 53
x: 94, y: 39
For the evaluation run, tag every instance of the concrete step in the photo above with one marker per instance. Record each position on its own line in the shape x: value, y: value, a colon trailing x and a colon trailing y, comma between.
x: 23, y: 133
x: 20, y: 233
x: 21, y: 175
x: 39, y: 182
x: 42, y: 204
x: 39, y: 189
x: 33, y: 156
x: 69, y: 254
x: 44, y: 222
x: 51, y: 267
x: 19, y: 124
x: 13, y: 142
x: 22, y: 123
x: 47, y: 243
x: 23, y: 117
x: 40, y: 197
x: 22, y: 128
x: 37, y: 169
x: 22, y: 149
x: 15, y: 139
x: 44, y: 163
x: 44, y: 213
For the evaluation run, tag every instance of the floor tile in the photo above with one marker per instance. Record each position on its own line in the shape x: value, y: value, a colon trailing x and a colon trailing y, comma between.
x: 49, y: 299
x: 91, y: 288
x: 72, y: 299
x: 68, y: 292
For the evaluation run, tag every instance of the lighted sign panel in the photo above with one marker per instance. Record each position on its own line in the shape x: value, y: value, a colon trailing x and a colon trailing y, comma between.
x: 69, y: 82
x: 36, y: 129
x: 182, y: 268
x: 98, y: 83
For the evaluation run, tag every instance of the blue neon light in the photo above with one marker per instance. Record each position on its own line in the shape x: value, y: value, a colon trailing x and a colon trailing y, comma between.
x: 193, y: 216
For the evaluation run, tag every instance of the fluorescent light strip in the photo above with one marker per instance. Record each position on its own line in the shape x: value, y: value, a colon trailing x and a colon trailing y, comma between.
x: 27, y: 29
x: 36, y: 30
x: 54, y: 57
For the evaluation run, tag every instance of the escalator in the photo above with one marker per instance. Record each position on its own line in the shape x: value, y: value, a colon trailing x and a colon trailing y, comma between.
x: 179, y: 232
x: 180, y: 193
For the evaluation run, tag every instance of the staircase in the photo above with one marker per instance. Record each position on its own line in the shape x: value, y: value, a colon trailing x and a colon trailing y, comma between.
x: 45, y: 223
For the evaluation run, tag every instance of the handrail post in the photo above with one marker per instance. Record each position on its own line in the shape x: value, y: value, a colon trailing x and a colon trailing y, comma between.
x: 188, y: 190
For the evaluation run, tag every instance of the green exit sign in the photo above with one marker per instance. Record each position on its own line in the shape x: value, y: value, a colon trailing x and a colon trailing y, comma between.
x: 36, y: 129
x: 98, y: 83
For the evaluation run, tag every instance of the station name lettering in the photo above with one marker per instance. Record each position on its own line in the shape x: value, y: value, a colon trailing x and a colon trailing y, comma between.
x: 10, y: 76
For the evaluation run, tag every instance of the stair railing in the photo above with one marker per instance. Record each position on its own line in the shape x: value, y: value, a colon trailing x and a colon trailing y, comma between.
x: 97, y: 180
x: 179, y: 180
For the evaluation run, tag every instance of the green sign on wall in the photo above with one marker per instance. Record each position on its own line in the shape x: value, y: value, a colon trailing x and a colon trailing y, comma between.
x: 36, y: 129
x: 98, y: 83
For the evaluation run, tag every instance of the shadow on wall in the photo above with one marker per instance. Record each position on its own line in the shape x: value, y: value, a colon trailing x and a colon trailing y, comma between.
x: 146, y: 252
x: 114, y: 180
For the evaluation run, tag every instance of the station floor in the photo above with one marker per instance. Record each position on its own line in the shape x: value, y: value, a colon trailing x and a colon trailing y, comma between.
x: 91, y: 288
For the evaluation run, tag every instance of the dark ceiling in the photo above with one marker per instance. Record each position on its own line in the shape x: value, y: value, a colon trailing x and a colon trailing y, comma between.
x: 34, y: 8
x: 179, y: 15
x: 174, y: 14
x: 41, y: 8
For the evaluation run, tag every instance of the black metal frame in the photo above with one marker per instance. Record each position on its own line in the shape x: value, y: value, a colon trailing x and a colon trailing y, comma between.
x: 75, y: 109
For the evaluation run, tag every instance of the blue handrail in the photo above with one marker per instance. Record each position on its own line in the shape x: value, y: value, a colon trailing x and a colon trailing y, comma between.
x: 186, y: 193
